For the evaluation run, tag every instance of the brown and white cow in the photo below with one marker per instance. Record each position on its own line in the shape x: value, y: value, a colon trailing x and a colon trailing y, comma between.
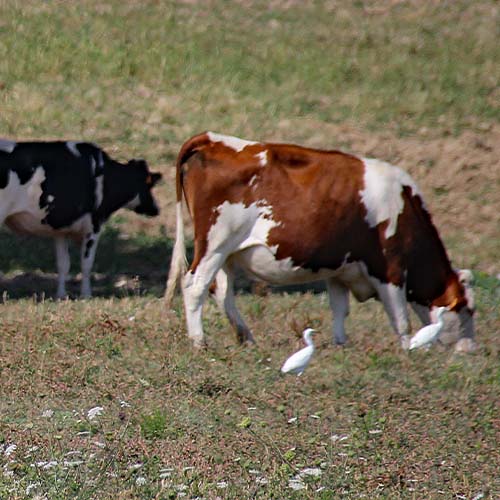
x: 288, y: 214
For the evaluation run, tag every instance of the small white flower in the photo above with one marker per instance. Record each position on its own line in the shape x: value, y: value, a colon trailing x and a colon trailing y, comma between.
x: 222, y: 484
x: 135, y: 466
x: 124, y: 404
x: 296, y: 484
x: 49, y: 465
x: 72, y: 463
x: 292, y: 420
x: 165, y: 475
x: 48, y: 413
x: 83, y: 433
x: 10, y: 449
x: 261, y: 480
x: 251, y: 408
x: 185, y: 469
x: 375, y: 431
x: 94, y: 412
x: 181, y: 487
x: 254, y: 471
x: 99, y: 444
x: 317, y: 417
x: 131, y: 318
x: 140, y: 481
x: 74, y: 452
x: 338, y: 437
x: 311, y: 471
x: 31, y: 487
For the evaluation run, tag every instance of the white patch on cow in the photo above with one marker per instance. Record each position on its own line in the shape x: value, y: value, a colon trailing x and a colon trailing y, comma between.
x: 382, y: 194
x: 71, y: 145
x: 246, y: 225
x: 99, y: 190
x: 7, y: 146
x: 50, y: 198
x: 34, y: 185
x: 262, y: 156
x: 230, y: 141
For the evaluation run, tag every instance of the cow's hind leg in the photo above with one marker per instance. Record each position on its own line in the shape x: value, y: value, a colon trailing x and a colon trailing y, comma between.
x: 224, y: 295
x: 63, y: 265
x: 195, y: 286
x: 338, y: 295
x: 394, y: 299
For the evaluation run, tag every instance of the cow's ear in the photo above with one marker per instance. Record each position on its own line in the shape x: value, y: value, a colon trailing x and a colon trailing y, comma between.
x: 155, y: 178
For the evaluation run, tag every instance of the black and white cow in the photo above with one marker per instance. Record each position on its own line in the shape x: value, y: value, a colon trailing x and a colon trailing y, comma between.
x: 67, y: 190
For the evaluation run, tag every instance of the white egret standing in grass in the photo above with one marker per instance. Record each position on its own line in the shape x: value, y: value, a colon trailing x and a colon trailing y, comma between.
x: 430, y: 333
x: 298, y: 362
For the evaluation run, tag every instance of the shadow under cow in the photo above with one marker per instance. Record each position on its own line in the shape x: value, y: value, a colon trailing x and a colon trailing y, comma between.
x: 124, y: 265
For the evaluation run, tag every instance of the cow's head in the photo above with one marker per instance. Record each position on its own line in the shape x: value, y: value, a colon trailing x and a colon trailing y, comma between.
x: 143, y: 202
x: 458, y: 322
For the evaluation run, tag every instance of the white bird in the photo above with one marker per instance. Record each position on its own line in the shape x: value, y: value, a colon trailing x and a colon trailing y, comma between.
x: 298, y: 362
x: 430, y: 333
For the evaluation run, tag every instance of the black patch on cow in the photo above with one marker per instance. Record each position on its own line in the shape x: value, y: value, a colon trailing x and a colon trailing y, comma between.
x: 88, y: 246
x: 71, y: 180
x: 17, y: 162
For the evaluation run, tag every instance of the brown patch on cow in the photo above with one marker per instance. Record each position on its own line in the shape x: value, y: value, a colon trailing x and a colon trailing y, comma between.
x: 453, y: 296
x: 321, y: 216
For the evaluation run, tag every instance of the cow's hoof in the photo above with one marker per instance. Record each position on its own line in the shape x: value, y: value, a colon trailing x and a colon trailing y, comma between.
x: 340, y: 344
x: 200, y: 345
x: 465, y: 345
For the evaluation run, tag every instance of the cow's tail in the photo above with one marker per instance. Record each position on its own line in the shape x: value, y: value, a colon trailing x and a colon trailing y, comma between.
x: 178, y: 264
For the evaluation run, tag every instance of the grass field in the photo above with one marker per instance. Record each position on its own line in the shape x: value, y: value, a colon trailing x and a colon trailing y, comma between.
x: 105, y: 399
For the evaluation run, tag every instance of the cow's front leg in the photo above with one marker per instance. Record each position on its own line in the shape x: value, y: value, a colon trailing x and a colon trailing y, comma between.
x: 63, y: 264
x: 224, y: 295
x: 195, y: 286
x: 88, y: 249
x: 394, y: 299
x: 338, y: 295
